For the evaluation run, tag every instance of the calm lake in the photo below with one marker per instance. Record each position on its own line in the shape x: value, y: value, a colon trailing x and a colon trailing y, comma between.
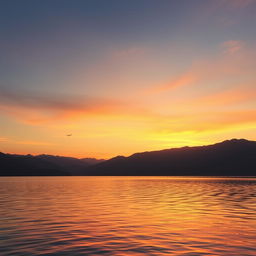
x: 127, y: 216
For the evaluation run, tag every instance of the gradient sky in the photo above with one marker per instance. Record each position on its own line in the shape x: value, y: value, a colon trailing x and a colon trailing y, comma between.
x: 124, y: 76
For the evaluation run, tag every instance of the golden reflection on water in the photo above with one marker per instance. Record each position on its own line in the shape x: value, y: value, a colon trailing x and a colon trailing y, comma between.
x: 127, y: 216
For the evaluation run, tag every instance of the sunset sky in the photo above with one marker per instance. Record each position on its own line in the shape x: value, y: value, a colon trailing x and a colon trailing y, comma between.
x: 125, y: 76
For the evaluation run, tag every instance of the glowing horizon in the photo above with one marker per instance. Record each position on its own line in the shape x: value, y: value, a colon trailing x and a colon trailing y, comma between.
x: 125, y: 77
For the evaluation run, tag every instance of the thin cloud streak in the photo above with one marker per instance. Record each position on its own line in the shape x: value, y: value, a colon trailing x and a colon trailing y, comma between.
x: 51, y: 102
x: 208, y: 122
x: 38, y: 108
x: 183, y: 80
x: 181, y: 122
x: 227, y: 98
x: 232, y: 46
x: 3, y: 139
x: 233, y: 59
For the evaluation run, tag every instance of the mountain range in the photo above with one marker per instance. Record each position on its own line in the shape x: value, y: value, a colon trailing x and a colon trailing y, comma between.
x: 236, y: 157
x: 43, y: 165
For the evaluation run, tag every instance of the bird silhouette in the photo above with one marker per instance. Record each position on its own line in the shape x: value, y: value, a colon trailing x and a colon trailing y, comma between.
x: 69, y: 135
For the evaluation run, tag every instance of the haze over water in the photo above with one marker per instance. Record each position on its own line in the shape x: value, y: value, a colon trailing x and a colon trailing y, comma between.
x: 127, y: 216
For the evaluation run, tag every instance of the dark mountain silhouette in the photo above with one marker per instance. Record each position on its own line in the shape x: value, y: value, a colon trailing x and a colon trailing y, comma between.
x: 92, y: 161
x: 42, y: 165
x: 228, y: 158
x: 236, y: 157
x: 71, y: 165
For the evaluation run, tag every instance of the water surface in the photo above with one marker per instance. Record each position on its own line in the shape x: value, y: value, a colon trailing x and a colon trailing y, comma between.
x: 127, y: 216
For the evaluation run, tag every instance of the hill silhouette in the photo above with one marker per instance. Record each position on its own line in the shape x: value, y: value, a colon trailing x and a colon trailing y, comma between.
x: 236, y: 157
x: 43, y: 165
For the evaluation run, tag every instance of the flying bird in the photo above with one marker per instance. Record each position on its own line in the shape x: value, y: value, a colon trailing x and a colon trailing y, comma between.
x: 69, y: 135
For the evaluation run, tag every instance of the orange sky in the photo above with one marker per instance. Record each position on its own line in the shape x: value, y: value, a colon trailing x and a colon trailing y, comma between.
x: 157, y: 89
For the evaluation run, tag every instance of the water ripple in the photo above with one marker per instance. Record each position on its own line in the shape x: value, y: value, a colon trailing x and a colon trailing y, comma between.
x: 119, y: 216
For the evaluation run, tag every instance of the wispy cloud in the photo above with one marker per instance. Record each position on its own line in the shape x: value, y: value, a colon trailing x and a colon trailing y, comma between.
x: 222, y: 12
x: 3, y: 139
x: 232, y: 46
x: 185, y: 79
x: 36, y: 108
x: 207, y: 122
x: 226, y: 98
x: 231, y: 60
x: 60, y: 102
